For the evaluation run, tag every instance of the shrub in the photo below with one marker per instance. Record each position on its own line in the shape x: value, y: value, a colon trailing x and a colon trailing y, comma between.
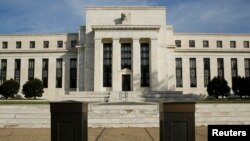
x: 218, y: 87
x: 9, y: 88
x: 241, y: 86
x: 33, y: 88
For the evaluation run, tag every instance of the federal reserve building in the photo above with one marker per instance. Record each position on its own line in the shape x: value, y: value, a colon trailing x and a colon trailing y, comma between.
x: 128, y: 49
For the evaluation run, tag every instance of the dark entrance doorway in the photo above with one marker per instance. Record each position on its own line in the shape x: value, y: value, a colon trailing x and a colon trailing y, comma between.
x: 126, y: 83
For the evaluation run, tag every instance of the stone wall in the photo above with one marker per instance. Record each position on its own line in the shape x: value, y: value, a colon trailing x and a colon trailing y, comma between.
x: 222, y: 114
x: 38, y: 116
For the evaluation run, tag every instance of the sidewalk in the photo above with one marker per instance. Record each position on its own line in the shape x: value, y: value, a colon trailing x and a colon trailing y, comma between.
x: 95, y: 134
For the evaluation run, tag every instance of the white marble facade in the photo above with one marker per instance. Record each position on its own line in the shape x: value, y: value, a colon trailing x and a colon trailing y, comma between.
x: 125, y: 25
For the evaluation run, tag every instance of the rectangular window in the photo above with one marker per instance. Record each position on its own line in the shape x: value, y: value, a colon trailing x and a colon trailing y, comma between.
x: 219, y: 44
x: 45, y: 72
x: 107, y: 65
x: 220, y: 65
x: 31, y: 69
x: 234, y: 71
x: 145, y: 65
x: 73, y: 72
x: 206, y: 62
x: 178, y: 43
x: 126, y: 55
x: 59, y: 65
x: 18, y: 44
x: 246, y: 44
x: 73, y: 43
x: 193, y: 81
x: 191, y: 43
x: 3, y: 71
x: 205, y: 43
x: 178, y: 67
x: 5, y: 45
x: 247, y: 67
x: 59, y: 44
x: 17, y: 70
x: 32, y: 44
x: 234, y: 68
x: 233, y: 44
x: 45, y: 44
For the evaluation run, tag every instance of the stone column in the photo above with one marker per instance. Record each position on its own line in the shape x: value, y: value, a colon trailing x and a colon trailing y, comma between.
x: 154, y: 65
x: 98, y: 68
x: 77, y: 76
x: 10, y: 68
x: 200, y: 72
x: 116, y: 65
x: 213, y: 67
x: 185, y: 73
x: 51, y: 73
x: 80, y: 64
x: 136, y: 65
x: 24, y: 70
x: 241, y: 66
x: 228, y: 70
x: 38, y: 69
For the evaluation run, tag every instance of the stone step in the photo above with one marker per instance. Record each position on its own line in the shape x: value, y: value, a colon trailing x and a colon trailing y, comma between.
x: 167, y: 99
x: 124, y: 105
x: 163, y: 92
x: 87, y: 93
x: 165, y: 95
x: 86, y: 99
x: 87, y: 96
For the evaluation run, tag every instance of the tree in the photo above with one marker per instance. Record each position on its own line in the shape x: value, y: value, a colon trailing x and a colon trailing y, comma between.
x: 218, y: 86
x: 9, y: 88
x: 247, y: 86
x: 241, y: 86
x: 33, y: 88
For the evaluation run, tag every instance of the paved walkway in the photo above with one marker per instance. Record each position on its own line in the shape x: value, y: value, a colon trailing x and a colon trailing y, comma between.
x: 95, y: 134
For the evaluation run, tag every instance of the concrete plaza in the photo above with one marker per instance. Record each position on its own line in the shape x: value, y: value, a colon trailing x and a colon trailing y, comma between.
x: 95, y: 134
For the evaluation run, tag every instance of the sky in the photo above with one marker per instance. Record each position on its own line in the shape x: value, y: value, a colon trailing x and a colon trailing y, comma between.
x: 65, y: 16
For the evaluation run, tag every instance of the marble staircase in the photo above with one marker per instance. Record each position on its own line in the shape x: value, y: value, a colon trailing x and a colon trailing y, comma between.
x: 131, y: 96
x: 87, y: 96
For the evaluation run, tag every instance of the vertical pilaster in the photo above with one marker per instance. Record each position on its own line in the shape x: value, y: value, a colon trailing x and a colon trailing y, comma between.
x: 52, y: 73
x: 81, y: 68
x: 38, y: 68
x: 241, y: 66
x: 186, y: 73
x: 116, y: 65
x: 136, y: 65
x: 66, y: 72
x: 213, y: 67
x: 24, y: 70
x: 228, y: 71
x: 80, y: 65
x: 98, y: 69
x: 10, y: 68
x: 154, y: 65
x: 200, y: 72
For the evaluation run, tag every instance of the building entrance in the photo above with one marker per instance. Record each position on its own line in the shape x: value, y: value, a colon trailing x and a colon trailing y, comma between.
x: 126, y: 82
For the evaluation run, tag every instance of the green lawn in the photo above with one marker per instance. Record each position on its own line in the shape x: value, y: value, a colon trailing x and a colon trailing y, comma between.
x: 226, y: 100
x: 24, y: 102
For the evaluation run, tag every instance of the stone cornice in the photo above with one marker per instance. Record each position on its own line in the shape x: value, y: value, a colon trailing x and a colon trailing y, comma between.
x: 126, y: 8
x: 44, y: 34
x: 38, y: 51
x: 213, y: 34
x: 214, y: 50
x: 125, y: 27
